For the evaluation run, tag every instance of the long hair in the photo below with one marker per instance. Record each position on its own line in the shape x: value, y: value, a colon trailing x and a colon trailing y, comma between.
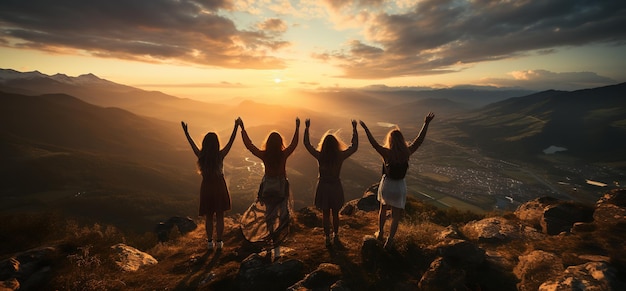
x: 397, y: 145
x: 274, y: 147
x: 209, y: 158
x: 330, y: 147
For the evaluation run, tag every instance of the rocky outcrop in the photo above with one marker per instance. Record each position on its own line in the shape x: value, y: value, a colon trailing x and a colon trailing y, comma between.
x: 611, y: 208
x: 309, y: 217
x: 368, y: 202
x: 561, y: 217
x: 492, y: 229
x: 258, y: 272
x: 535, y: 268
x: 28, y: 270
x: 441, y: 275
x: 183, y: 224
x: 323, y: 278
x: 589, y: 276
x: 530, y: 212
x: 131, y: 259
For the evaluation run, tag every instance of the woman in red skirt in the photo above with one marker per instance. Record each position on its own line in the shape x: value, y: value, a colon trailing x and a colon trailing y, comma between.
x: 329, y: 197
x: 214, y: 196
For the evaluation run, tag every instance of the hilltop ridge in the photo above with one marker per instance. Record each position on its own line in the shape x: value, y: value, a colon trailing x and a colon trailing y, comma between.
x: 547, y: 244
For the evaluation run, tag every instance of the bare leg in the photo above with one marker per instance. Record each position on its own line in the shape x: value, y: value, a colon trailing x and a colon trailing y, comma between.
x: 396, y: 215
x: 326, y: 221
x: 335, y: 221
x: 208, y: 225
x: 219, y: 224
x: 382, y: 218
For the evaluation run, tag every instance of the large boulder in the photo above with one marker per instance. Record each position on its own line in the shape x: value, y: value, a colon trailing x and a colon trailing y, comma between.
x: 530, y: 212
x: 459, y: 252
x: 183, y: 224
x: 258, y: 272
x: 442, y: 276
x: 322, y: 278
x: 310, y: 217
x: 561, y: 217
x: 492, y: 229
x: 611, y: 208
x: 589, y: 276
x: 616, y: 197
x: 535, y: 268
x: 131, y: 259
x: 368, y: 202
x: 28, y: 270
x: 373, y: 254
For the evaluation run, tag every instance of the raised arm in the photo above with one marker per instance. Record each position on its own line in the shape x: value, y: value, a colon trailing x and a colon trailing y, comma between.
x: 294, y: 142
x: 307, y: 141
x: 194, y: 147
x: 373, y: 141
x: 227, y: 147
x: 422, y: 135
x: 248, y: 143
x: 355, y: 141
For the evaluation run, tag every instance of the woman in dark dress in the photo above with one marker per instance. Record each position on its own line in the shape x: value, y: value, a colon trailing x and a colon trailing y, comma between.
x: 330, y: 154
x: 214, y: 196
x: 392, y: 188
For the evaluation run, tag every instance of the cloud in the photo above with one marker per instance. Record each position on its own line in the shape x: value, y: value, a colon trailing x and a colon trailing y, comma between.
x: 170, y: 31
x: 273, y: 24
x: 438, y: 36
x: 545, y: 80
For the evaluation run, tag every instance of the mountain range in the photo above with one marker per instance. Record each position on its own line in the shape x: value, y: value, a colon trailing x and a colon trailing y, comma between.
x: 94, y: 148
x: 590, y: 124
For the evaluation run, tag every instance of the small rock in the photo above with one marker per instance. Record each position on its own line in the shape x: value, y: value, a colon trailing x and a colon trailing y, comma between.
x: 561, y: 217
x: 492, y: 229
x: 442, y: 276
x: 589, y: 276
x: 131, y: 259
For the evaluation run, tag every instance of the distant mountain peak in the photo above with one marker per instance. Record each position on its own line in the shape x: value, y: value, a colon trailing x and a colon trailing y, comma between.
x: 84, y: 79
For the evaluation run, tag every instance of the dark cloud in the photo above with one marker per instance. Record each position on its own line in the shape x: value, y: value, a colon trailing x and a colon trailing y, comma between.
x: 157, y: 30
x: 544, y: 80
x: 437, y: 35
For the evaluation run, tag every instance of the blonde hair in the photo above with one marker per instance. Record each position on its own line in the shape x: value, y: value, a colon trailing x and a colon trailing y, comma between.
x: 395, y: 142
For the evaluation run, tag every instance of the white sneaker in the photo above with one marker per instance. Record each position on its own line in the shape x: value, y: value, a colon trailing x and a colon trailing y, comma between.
x: 210, y: 244
x: 220, y: 244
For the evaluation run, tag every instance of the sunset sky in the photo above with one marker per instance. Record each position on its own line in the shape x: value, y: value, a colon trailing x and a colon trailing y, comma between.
x: 253, y: 49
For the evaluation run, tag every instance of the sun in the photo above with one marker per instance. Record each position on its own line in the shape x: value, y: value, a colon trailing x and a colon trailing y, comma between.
x: 277, y: 80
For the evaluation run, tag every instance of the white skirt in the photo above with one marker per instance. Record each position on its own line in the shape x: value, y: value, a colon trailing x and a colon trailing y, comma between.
x: 392, y: 192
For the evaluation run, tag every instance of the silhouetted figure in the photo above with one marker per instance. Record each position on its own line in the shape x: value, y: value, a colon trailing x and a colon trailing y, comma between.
x: 330, y: 154
x: 392, y: 188
x: 214, y: 196
x: 273, y: 196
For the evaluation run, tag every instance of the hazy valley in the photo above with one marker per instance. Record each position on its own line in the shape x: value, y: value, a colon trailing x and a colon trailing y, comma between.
x: 107, y: 152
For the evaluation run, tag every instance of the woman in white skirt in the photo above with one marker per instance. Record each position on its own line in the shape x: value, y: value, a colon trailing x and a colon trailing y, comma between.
x: 392, y: 187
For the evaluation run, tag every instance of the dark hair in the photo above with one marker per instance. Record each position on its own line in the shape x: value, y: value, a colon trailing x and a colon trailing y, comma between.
x: 274, y: 147
x: 209, y: 158
x: 330, y: 147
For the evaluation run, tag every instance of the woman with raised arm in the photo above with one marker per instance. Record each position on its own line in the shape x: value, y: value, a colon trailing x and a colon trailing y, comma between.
x: 330, y: 154
x: 214, y: 196
x: 273, y: 196
x: 392, y: 188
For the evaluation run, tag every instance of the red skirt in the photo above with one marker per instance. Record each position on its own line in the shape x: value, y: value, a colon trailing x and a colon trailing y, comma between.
x: 214, y: 195
x: 329, y: 194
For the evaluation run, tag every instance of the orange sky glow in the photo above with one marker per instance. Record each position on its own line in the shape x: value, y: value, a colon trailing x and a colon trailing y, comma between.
x: 232, y: 50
